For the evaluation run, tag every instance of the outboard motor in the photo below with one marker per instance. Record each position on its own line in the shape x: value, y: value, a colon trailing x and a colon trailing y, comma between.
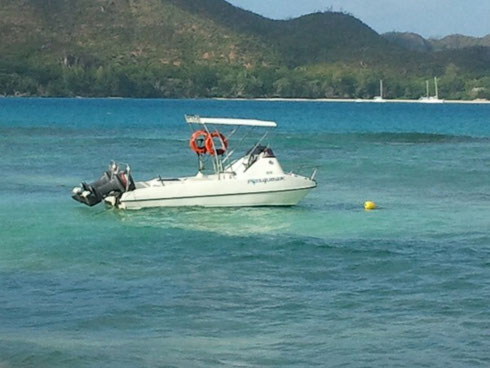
x: 113, y: 182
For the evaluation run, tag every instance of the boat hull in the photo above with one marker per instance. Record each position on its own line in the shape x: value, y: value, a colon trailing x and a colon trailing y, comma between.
x: 279, y: 198
x: 227, y: 193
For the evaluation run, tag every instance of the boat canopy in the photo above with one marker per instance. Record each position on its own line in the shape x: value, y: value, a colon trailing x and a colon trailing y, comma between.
x: 194, y: 119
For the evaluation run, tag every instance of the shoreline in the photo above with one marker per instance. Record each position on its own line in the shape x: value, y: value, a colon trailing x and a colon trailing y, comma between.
x: 355, y: 100
x: 270, y: 99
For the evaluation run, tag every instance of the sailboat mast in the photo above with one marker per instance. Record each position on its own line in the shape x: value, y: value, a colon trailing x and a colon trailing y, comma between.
x: 437, y: 91
x: 381, y: 88
x: 427, y: 87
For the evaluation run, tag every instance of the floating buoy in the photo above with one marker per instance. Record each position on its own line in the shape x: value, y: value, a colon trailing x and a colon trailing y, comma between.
x: 368, y: 205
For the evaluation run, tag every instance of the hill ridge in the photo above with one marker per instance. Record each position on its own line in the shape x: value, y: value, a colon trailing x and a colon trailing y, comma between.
x: 210, y: 48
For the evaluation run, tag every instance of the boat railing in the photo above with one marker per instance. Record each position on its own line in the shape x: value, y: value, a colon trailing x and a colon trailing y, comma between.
x: 305, y: 170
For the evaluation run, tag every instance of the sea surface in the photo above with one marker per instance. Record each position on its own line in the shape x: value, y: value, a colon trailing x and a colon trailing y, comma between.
x: 323, y: 284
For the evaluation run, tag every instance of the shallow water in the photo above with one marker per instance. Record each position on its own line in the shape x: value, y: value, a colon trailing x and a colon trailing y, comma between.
x: 323, y: 283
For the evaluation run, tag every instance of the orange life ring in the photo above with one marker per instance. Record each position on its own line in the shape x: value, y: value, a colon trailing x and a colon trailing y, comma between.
x: 193, y: 142
x: 210, y: 146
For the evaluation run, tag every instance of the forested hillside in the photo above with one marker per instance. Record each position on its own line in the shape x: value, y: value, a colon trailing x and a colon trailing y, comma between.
x: 209, y: 48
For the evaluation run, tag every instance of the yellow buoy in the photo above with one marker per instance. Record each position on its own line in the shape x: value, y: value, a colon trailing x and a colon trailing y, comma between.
x: 368, y: 205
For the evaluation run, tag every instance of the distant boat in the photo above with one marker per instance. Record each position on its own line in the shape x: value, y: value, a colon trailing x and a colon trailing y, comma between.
x: 428, y: 98
x: 380, y: 97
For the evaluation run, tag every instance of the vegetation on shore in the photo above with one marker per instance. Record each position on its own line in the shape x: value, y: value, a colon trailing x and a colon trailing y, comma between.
x: 192, y: 81
x: 183, y: 48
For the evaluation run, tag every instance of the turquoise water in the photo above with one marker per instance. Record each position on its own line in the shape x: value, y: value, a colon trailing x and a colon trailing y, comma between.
x: 320, y: 284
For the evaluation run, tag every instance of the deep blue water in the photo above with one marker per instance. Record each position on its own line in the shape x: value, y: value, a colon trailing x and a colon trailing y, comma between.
x: 324, y: 283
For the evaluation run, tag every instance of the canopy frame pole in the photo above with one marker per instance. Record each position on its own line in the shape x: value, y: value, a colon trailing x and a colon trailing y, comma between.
x: 216, y: 163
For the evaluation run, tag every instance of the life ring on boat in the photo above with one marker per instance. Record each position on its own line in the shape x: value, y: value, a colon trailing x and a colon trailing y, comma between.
x: 199, y: 136
x: 210, y: 144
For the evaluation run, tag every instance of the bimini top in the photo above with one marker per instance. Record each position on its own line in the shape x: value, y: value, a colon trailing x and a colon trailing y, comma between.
x: 194, y: 119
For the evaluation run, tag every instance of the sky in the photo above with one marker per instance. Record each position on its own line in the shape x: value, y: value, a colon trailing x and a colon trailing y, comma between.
x: 430, y: 18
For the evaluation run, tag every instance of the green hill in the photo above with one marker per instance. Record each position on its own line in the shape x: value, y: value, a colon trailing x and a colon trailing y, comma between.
x: 98, y: 31
x: 415, y: 42
x: 312, y: 38
x: 459, y: 41
x: 408, y: 40
x: 208, y: 48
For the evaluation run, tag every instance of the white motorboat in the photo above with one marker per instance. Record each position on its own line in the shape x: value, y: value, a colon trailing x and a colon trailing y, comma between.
x: 255, y: 179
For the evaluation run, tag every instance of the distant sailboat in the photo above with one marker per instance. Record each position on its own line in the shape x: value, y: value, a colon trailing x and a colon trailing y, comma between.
x: 428, y: 98
x: 380, y: 97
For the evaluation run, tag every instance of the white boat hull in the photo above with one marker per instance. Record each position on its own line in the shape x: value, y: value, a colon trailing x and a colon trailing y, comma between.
x: 210, y: 191
x: 267, y: 198
x: 430, y: 100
